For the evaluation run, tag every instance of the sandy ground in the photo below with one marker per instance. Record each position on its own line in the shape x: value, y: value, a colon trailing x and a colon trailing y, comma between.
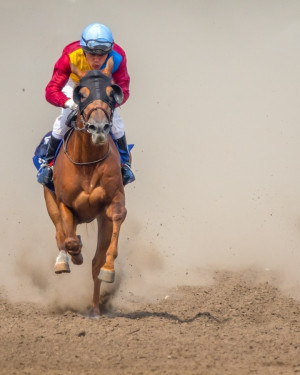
x: 234, y: 326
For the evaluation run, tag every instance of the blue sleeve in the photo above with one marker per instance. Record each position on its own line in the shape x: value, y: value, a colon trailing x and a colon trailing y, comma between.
x: 117, y: 60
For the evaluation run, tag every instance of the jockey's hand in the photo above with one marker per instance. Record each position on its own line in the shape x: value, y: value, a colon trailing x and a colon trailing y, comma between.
x: 71, y: 104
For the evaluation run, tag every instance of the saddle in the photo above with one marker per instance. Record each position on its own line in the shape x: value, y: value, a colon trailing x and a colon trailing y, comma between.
x: 71, y: 119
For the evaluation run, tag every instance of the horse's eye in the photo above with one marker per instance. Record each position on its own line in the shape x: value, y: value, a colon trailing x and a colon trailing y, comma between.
x: 83, y: 94
x: 81, y: 97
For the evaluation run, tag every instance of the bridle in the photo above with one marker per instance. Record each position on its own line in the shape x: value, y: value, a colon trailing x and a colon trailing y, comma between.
x: 89, y: 128
x: 97, y: 83
x: 84, y: 117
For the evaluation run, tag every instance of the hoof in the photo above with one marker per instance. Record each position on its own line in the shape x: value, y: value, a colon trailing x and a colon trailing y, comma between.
x: 107, y: 275
x: 62, y: 263
x: 77, y: 259
x: 94, y: 314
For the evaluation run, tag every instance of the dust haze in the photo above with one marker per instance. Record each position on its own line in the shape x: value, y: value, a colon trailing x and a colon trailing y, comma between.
x: 214, y: 116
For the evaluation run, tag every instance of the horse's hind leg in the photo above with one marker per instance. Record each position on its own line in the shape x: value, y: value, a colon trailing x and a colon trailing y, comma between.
x: 109, y: 225
x: 103, y: 241
x: 116, y: 214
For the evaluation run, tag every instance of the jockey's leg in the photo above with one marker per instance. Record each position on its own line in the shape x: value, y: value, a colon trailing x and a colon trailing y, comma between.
x: 119, y: 134
x: 59, y: 130
x: 45, y: 174
x: 126, y: 170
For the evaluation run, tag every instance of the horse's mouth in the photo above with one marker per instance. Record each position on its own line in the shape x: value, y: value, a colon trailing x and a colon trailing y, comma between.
x: 99, y: 138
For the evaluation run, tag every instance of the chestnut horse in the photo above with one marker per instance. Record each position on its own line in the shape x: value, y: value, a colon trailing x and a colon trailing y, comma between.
x: 88, y: 182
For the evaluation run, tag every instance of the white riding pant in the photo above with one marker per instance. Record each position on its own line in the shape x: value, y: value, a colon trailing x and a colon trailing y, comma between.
x: 60, y: 129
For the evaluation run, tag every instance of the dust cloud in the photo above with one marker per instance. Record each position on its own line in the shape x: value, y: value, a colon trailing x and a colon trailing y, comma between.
x: 214, y: 116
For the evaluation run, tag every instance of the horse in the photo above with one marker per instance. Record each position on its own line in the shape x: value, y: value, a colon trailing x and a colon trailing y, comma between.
x: 88, y: 182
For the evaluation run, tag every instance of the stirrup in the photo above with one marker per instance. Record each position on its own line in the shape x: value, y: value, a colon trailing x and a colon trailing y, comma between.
x: 127, y: 174
x: 45, y: 174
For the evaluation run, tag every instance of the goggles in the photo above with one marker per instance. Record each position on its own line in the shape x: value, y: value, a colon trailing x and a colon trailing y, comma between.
x: 97, y: 46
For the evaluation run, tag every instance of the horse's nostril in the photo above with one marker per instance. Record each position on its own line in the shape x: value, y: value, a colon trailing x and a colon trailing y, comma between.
x: 106, y: 128
x: 92, y: 128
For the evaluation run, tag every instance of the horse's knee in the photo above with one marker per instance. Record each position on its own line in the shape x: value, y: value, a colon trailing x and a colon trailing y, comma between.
x: 124, y: 214
x: 73, y: 245
x: 120, y: 215
x: 116, y: 212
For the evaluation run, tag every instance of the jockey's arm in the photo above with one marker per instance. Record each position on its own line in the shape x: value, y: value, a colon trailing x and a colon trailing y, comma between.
x: 121, y: 78
x: 61, y: 74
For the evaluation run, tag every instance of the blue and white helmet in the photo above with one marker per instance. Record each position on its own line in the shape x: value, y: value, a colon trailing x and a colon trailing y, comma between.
x: 97, y: 39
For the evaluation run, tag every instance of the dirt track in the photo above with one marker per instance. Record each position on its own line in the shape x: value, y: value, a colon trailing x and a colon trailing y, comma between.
x: 232, y: 327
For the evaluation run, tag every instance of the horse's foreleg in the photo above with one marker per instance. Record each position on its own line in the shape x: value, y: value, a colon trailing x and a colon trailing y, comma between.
x: 62, y: 262
x: 54, y: 214
x: 72, y: 243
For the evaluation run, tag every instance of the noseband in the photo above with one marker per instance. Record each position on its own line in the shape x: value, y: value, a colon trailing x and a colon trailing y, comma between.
x: 88, y: 115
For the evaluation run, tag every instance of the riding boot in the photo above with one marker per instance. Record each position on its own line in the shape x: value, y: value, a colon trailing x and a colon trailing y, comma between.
x: 127, y: 174
x: 46, y: 172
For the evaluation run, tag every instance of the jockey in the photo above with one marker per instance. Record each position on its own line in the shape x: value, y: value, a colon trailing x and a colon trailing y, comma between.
x: 93, y: 50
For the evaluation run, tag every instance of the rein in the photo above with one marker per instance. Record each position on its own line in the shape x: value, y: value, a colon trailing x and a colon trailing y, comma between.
x: 86, y: 128
x: 83, y: 163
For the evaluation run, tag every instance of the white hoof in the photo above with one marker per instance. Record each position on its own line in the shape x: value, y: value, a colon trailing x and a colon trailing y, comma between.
x: 62, y: 263
x: 106, y: 275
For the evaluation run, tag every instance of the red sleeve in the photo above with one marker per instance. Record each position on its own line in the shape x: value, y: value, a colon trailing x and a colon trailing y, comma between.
x: 62, y: 71
x: 61, y: 74
x: 121, y: 76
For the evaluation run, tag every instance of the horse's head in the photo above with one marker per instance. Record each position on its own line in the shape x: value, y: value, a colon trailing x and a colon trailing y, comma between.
x: 97, y: 97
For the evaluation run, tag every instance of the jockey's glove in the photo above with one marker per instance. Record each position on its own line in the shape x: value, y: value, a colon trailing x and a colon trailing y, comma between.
x: 71, y: 104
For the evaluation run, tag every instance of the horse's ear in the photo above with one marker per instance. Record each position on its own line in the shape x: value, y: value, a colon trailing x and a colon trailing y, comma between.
x: 117, y: 93
x: 109, y: 67
x: 79, y: 73
x: 76, y: 95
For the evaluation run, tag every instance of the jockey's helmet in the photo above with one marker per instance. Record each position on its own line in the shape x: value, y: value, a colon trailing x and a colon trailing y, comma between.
x: 97, y: 39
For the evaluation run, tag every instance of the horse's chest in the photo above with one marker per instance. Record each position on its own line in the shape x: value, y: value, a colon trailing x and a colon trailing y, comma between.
x: 87, y: 197
x: 90, y: 199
